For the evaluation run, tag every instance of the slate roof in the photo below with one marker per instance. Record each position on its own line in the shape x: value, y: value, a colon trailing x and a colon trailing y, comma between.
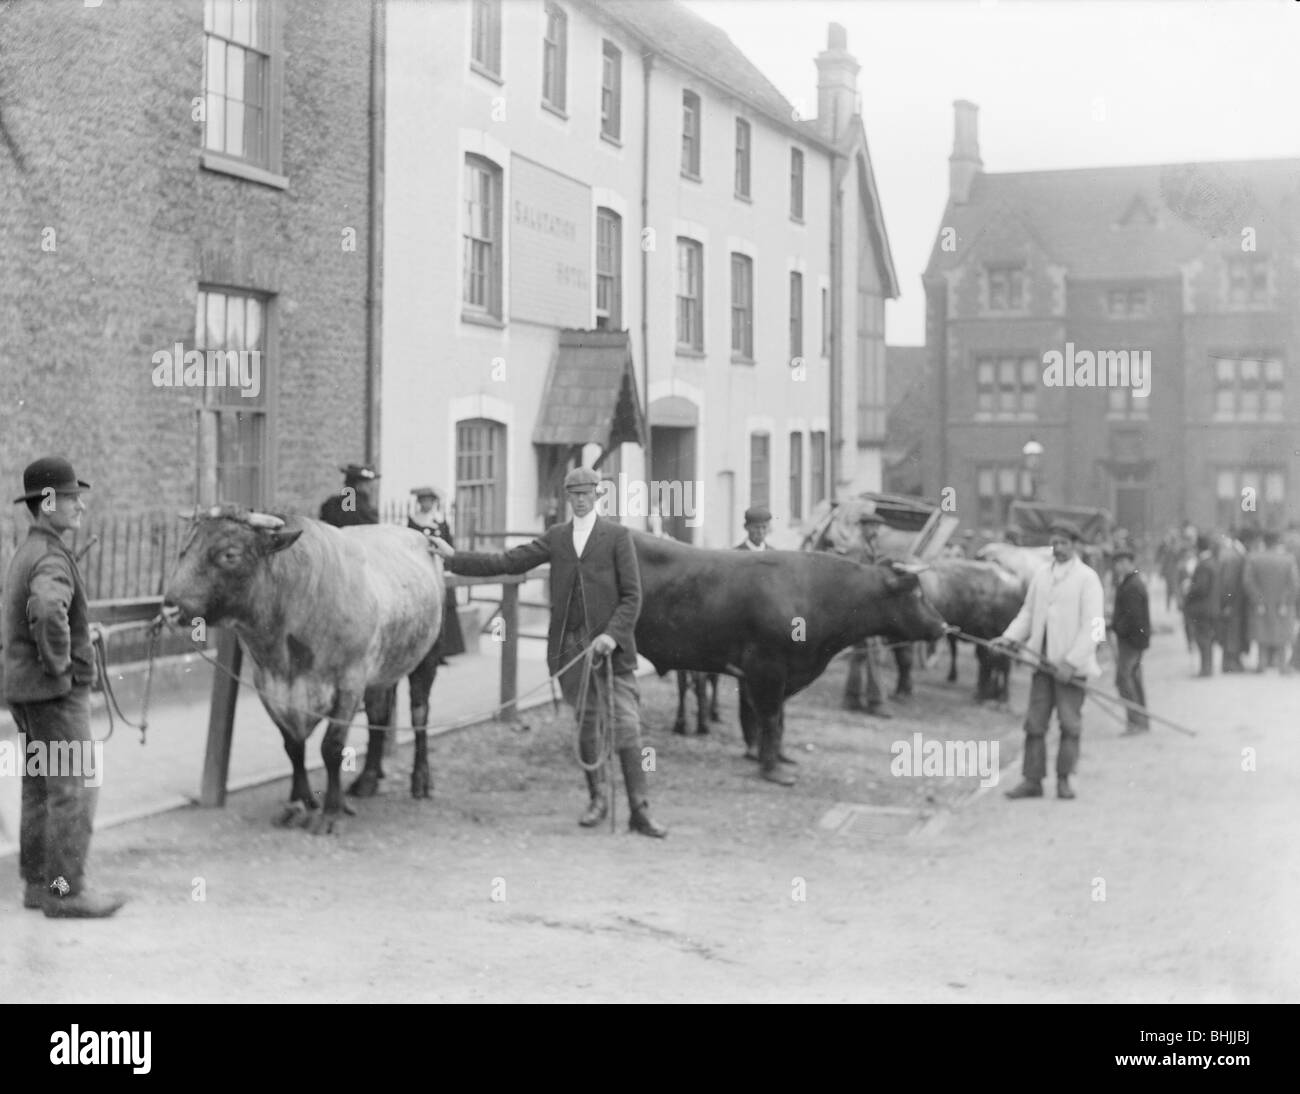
x: 705, y: 50
x: 1130, y: 222
x: 591, y: 393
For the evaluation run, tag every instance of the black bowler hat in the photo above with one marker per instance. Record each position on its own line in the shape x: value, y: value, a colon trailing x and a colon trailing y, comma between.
x: 50, y: 473
x: 359, y: 472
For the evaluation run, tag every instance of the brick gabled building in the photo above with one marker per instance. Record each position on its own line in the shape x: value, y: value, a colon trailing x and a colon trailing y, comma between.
x: 1195, y: 265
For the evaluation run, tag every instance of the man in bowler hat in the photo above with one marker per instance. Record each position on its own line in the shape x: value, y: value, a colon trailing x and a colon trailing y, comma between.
x: 595, y: 600
x: 49, y: 669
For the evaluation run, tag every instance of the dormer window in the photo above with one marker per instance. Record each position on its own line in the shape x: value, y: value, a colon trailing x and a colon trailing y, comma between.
x: 1128, y: 303
x: 1247, y: 283
x: 1006, y: 288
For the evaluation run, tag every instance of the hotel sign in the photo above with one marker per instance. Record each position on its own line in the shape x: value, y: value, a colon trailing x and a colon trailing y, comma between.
x: 550, y: 247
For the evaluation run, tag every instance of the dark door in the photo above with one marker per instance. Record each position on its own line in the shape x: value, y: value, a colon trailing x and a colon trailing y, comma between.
x: 673, y: 463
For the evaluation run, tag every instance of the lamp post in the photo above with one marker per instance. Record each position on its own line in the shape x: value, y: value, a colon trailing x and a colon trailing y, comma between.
x: 1031, y: 456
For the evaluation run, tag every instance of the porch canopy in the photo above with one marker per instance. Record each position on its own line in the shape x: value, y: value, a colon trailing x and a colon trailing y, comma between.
x: 591, y: 395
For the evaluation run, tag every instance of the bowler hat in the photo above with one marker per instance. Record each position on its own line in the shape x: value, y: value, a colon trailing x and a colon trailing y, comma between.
x: 50, y: 473
x: 1122, y: 551
x: 1064, y: 528
x: 359, y: 472
x: 758, y: 514
x: 427, y: 492
x: 580, y: 477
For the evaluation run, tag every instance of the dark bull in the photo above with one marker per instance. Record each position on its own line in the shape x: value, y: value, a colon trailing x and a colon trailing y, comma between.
x: 330, y: 616
x: 775, y: 618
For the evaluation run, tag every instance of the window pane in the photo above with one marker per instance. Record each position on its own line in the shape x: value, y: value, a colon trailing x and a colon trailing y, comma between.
x: 1225, y: 485
x: 1007, y: 481
x: 1249, y: 371
x: 216, y: 332
x: 253, y: 327
x: 1250, y: 481
x: 200, y: 321
x: 221, y: 17
x: 1274, y: 487
x: 216, y: 66
x: 239, y: 27
x: 235, y: 323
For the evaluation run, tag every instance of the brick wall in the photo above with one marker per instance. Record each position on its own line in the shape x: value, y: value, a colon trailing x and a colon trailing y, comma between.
x: 97, y: 104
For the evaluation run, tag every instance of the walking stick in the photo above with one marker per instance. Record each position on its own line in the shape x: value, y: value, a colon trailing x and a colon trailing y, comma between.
x: 1026, y: 656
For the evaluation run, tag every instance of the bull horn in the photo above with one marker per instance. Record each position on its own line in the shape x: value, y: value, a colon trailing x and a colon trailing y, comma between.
x: 264, y: 520
x: 196, y: 513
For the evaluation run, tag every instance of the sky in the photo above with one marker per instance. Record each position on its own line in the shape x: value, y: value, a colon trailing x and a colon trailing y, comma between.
x: 1059, y: 84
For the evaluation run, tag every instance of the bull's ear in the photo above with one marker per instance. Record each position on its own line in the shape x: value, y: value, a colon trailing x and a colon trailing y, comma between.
x: 278, y: 541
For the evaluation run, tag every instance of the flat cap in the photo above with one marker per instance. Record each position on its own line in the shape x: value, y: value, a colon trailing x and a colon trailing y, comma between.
x: 758, y: 514
x: 426, y: 492
x: 580, y: 477
x: 1064, y: 528
x: 356, y: 472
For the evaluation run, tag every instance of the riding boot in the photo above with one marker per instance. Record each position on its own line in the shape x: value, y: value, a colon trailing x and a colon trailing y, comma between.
x: 598, y: 807
x: 637, y: 800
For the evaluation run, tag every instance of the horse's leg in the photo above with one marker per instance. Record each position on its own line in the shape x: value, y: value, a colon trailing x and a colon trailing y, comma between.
x: 713, y: 698
x: 683, y: 682
x: 952, y: 659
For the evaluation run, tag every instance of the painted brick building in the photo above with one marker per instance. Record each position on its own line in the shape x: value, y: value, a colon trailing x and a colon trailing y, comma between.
x: 216, y: 197
x: 1197, y: 265
x: 621, y: 169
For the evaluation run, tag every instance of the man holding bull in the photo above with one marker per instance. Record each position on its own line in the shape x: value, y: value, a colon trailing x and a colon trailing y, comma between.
x: 1058, y: 624
x: 595, y: 601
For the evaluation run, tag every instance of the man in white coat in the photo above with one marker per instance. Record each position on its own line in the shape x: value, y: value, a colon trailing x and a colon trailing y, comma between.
x: 1060, y: 623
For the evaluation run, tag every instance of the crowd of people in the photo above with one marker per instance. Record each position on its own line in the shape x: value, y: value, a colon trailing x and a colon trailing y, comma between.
x: 1238, y: 590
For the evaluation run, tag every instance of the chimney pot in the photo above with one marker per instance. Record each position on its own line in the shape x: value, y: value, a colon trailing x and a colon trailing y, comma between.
x: 837, y: 37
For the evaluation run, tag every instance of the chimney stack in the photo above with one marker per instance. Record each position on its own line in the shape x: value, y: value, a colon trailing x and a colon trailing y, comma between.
x: 964, y: 163
x: 837, y: 84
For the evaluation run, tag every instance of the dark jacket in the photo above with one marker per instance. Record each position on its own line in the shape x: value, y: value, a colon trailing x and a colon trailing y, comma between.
x: 609, y: 575
x: 1201, y: 604
x: 1132, y: 618
x: 332, y: 512
x: 46, y: 633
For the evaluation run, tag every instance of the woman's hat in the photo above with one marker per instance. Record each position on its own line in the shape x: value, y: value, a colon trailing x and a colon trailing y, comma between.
x: 50, y: 473
x: 427, y: 492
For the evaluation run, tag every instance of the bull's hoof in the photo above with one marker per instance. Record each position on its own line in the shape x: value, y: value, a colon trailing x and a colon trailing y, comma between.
x: 327, y: 824
x: 751, y: 754
x: 294, y: 815
x: 365, y: 785
x: 702, y: 730
x: 679, y: 728
x: 714, y: 716
x: 421, y: 783
x: 776, y: 775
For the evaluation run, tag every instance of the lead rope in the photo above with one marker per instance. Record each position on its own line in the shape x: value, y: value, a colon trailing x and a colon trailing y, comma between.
x: 99, y: 648
x: 604, y: 726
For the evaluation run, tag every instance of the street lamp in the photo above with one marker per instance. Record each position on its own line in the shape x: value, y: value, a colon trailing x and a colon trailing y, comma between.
x: 1031, y: 456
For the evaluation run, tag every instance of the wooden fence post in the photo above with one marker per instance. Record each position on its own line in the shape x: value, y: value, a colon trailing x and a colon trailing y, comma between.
x: 510, y: 649
x: 221, y: 720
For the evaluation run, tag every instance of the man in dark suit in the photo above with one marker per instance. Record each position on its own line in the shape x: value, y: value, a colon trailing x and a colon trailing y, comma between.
x: 353, y: 504
x: 49, y: 668
x: 1131, y: 622
x: 595, y: 600
x: 1201, y: 603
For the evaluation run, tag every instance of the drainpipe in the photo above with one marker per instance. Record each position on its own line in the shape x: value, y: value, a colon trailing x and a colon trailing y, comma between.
x: 374, y: 234
x: 647, y: 64
x: 837, y: 352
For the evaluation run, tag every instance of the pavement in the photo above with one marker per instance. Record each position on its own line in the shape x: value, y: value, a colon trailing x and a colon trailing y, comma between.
x: 166, y: 771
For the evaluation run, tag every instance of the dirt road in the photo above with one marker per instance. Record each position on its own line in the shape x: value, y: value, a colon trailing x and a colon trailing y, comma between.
x: 1172, y: 877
